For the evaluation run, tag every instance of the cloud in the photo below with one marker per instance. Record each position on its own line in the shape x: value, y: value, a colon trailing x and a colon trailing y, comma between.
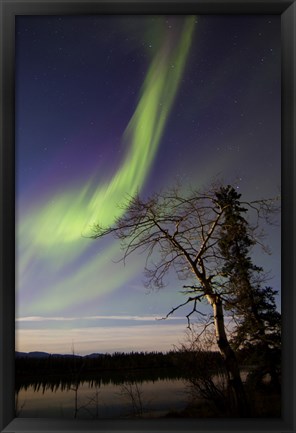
x: 118, y: 317
x: 101, y: 339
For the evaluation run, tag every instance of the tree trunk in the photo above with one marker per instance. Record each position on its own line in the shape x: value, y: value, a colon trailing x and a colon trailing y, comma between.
x: 236, y: 388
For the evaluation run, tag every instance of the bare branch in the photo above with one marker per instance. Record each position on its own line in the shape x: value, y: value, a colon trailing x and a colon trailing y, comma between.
x: 194, y: 299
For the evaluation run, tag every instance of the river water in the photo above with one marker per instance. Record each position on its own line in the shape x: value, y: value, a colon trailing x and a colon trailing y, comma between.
x: 90, y: 401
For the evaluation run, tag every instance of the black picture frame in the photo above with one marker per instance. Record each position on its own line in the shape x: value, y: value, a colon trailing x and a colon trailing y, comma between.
x: 9, y: 9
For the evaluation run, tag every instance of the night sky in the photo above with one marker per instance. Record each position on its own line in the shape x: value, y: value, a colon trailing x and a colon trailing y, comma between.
x: 108, y: 106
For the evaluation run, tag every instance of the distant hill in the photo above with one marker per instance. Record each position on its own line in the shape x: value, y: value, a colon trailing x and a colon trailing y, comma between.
x: 94, y: 355
x: 55, y: 355
x: 67, y: 355
x: 31, y: 355
x: 21, y: 354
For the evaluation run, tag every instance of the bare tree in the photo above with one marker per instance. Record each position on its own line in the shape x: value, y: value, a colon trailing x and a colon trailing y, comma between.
x: 206, y: 376
x: 91, y: 406
x: 134, y: 393
x: 182, y: 233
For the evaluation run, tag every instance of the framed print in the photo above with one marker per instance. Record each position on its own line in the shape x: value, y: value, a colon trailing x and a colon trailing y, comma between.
x: 147, y: 216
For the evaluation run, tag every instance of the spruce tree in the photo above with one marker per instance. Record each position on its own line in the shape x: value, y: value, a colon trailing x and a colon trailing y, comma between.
x: 258, y: 323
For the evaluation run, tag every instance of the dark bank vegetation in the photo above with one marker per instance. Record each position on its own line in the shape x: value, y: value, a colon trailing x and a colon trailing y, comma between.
x: 207, y: 379
x: 54, y: 371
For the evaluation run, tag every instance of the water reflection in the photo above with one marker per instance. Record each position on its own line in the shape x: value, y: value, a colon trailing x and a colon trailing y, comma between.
x: 101, y: 399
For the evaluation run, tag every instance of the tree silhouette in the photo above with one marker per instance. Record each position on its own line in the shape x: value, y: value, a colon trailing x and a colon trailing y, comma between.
x: 258, y: 323
x: 183, y: 233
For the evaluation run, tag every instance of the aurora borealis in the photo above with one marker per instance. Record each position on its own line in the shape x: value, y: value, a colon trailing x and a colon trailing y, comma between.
x: 108, y: 106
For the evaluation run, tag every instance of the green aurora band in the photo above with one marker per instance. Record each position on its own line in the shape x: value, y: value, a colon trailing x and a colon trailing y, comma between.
x: 56, y: 231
